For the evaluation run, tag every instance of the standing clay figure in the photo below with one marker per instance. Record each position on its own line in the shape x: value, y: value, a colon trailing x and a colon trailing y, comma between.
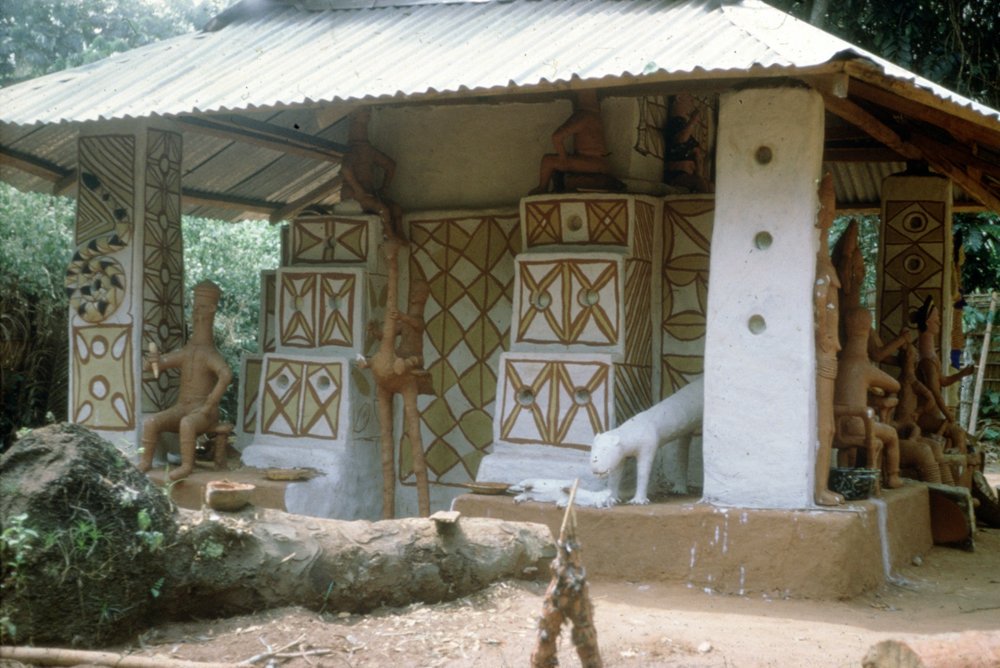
x: 826, y: 304
x: 855, y: 376
x: 590, y: 152
x: 358, y: 170
x: 683, y: 155
x: 936, y: 417
x: 850, y: 263
x: 400, y: 371
x: 204, y: 379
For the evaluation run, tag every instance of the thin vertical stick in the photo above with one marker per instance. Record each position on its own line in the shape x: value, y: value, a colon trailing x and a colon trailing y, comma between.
x: 977, y: 395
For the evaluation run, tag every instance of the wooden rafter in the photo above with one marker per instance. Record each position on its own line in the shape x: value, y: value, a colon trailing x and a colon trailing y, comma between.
x: 855, y: 114
x: 26, y: 162
x: 192, y: 197
x: 267, y: 136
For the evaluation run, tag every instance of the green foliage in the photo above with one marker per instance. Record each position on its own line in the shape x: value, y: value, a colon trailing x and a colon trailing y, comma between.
x: 36, y: 242
x: 42, y: 36
x: 951, y: 42
x: 979, y: 235
x: 232, y: 255
x: 16, y: 544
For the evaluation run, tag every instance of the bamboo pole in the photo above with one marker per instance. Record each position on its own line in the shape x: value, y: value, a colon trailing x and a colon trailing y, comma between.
x: 977, y: 394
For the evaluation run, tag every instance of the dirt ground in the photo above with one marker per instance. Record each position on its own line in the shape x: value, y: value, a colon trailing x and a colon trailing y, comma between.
x: 638, y: 623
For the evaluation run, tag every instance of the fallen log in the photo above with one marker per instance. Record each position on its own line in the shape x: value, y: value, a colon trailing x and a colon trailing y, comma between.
x: 54, y: 656
x: 242, y: 562
x: 972, y: 649
x: 94, y: 552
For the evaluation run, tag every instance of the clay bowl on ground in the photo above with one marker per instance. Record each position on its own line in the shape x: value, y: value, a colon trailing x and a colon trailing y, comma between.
x: 228, y: 496
x: 487, y: 487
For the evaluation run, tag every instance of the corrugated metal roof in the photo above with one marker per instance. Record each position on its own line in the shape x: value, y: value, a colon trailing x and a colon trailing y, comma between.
x: 279, y: 60
x: 277, y: 55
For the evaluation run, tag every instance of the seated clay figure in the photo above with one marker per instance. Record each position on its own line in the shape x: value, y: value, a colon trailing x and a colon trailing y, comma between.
x: 935, y: 416
x: 916, y: 450
x: 674, y: 418
x: 204, y: 379
x: 683, y: 155
x: 590, y: 152
x: 856, y: 375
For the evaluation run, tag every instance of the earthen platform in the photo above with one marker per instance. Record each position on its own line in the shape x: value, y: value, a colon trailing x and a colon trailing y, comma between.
x: 826, y: 554
x: 190, y: 492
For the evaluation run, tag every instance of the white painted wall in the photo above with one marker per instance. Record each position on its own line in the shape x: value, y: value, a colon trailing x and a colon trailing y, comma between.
x: 482, y: 156
x: 760, y: 408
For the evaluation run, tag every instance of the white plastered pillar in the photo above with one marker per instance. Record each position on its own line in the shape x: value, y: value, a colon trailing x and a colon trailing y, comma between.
x: 760, y: 407
x: 125, y: 280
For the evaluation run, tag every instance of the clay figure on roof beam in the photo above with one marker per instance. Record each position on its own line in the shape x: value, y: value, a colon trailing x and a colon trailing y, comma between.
x: 204, y: 379
x: 683, y: 154
x: 936, y: 417
x: 856, y: 376
x: 826, y: 304
x: 587, y: 165
x: 360, y: 179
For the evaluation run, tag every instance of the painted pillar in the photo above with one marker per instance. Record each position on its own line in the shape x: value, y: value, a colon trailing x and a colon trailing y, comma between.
x: 760, y: 407
x: 915, y: 256
x: 125, y: 282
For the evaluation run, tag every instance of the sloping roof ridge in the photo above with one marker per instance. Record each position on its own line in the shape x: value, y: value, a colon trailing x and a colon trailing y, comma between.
x: 250, y: 8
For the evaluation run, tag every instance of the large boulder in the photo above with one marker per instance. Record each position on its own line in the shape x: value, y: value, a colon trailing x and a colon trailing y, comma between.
x: 83, y: 539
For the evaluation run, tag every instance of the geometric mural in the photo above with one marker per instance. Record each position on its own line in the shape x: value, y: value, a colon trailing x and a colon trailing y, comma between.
x: 268, y: 306
x: 468, y: 263
x: 301, y: 398
x: 163, y: 264
x: 622, y: 222
x: 250, y: 383
x: 560, y: 402
x: 915, y: 245
x: 569, y: 300
x: 687, y: 234
x: 95, y: 281
x: 102, y: 378
x: 319, y: 308
x: 322, y: 240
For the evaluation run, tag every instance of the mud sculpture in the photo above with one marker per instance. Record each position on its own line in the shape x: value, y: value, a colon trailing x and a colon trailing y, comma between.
x: 590, y: 152
x: 826, y: 302
x: 926, y: 454
x: 358, y: 171
x: 674, y: 418
x: 204, y: 379
x: 400, y: 371
x: 935, y: 416
x: 683, y: 155
x: 856, y: 375
x: 850, y: 263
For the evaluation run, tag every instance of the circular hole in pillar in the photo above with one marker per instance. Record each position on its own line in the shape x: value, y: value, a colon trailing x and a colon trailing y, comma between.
x: 525, y: 396
x: 575, y: 223
x: 332, y: 303
x: 763, y: 155
x: 756, y: 324
x: 763, y: 240
x: 323, y: 382
x: 541, y: 300
x: 581, y: 396
x: 283, y: 381
x: 588, y: 297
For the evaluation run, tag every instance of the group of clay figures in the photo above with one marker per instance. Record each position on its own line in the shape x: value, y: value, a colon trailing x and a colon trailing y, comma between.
x: 899, y: 424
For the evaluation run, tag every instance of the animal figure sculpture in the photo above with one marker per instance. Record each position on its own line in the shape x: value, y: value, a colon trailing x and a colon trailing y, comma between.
x: 674, y: 418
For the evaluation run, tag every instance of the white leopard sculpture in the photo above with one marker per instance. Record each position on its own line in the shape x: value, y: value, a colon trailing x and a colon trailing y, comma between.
x: 674, y: 418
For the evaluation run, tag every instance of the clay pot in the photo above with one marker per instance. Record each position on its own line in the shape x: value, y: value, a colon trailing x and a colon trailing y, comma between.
x: 854, y: 483
x: 228, y: 496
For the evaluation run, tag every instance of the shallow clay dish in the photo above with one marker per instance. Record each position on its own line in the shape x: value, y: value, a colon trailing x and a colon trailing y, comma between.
x: 228, y: 496
x: 488, y: 487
